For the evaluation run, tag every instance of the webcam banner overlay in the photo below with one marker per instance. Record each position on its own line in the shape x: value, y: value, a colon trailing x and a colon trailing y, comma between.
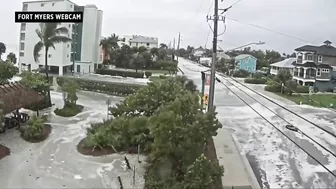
x: 54, y: 16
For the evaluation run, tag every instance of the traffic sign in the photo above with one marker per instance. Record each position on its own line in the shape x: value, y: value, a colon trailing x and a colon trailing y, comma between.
x: 207, y: 79
x: 206, y: 99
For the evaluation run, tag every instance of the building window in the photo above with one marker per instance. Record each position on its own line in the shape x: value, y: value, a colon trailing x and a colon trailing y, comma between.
x: 325, y: 70
x: 70, y: 6
x: 334, y: 68
x: 22, y: 46
x: 147, y: 44
x: 21, y: 53
x: 49, y: 55
x: 319, y: 58
x: 78, y: 68
x: 52, y: 4
x: 69, y: 25
x: 22, y: 36
x: 68, y: 45
x: 318, y: 73
x: 42, y: 4
x: 136, y: 44
x: 67, y: 56
x: 25, y: 7
x: 309, y: 57
x: 23, y: 26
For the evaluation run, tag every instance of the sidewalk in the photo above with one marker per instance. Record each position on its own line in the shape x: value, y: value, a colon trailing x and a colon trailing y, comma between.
x: 238, y: 173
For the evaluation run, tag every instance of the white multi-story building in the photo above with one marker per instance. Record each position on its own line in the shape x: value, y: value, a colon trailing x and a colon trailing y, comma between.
x: 82, y: 54
x: 139, y: 41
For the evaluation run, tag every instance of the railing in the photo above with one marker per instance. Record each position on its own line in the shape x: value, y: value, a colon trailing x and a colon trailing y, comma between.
x: 299, y: 61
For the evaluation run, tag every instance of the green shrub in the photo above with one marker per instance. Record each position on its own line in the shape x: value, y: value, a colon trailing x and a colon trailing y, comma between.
x: 35, y: 129
x: 117, y: 89
x: 123, y: 73
x: 302, y: 89
x: 255, y: 80
x: 69, y: 110
x: 273, y: 88
x: 241, y: 73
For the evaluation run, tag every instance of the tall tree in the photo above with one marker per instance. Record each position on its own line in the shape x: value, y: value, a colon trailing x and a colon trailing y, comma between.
x: 7, y: 71
x: 2, y: 49
x: 11, y: 58
x: 109, y: 44
x: 49, y: 35
x: 163, y: 46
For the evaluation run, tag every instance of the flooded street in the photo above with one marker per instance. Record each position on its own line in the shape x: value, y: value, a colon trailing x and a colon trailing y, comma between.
x: 55, y: 163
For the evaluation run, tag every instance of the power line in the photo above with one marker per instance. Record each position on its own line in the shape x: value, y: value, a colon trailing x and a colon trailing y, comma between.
x: 279, y: 130
x: 283, y: 119
x: 270, y: 30
x: 330, y: 133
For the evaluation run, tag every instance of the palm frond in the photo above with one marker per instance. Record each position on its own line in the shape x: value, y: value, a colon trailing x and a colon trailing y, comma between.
x: 59, y: 39
x: 37, y: 48
x: 60, y: 31
x: 39, y: 34
x: 49, y: 30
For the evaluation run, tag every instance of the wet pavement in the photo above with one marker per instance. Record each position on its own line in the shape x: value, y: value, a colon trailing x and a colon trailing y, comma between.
x: 276, y: 161
x: 55, y: 163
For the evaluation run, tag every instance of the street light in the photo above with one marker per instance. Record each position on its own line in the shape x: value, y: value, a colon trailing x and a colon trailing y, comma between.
x: 255, y: 43
x: 213, y: 77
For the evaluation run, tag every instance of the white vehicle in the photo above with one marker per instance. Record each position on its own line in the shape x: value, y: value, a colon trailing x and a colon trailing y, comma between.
x: 206, y: 61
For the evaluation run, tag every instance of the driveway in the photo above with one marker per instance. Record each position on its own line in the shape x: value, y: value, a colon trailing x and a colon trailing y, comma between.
x: 276, y: 161
x: 55, y: 163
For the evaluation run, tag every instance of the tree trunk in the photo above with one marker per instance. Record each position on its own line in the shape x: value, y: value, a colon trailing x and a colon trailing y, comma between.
x: 46, y: 72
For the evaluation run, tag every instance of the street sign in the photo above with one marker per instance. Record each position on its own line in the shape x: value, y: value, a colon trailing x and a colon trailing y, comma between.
x: 207, y: 79
x: 206, y: 99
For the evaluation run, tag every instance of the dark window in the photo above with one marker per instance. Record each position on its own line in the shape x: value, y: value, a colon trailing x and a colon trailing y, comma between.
x: 53, y: 4
x: 49, y: 55
x: 23, y: 26
x: 21, y: 53
x: 22, y: 36
x: 78, y: 68
x: 147, y: 44
x: 25, y: 7
x: 42, y: 4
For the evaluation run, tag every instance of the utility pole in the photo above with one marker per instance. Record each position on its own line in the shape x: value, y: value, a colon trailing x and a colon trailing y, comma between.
x: 178, y: 45
x: 214, y: 59
x: 215, y: 19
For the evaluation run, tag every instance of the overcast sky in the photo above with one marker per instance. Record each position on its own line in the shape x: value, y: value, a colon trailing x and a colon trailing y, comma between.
x: 313, y: 21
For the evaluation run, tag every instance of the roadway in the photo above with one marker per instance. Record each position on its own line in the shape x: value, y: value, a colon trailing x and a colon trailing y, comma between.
x: 276, y: 161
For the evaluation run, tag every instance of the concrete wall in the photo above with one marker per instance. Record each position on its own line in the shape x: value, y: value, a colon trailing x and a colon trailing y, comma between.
x: 84, y: 67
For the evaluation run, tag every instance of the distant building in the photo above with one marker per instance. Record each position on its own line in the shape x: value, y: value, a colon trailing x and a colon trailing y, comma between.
x: 316, y: 65
x: 246, y: 62
x: 139, y: 41
x: 199, y: 52
x: 287, y: 64
x: 84, y: 48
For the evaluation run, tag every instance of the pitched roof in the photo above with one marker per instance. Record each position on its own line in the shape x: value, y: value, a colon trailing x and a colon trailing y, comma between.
x: 16, y: 96
x: 326, y: 50
x: 287, y: 63
x: 243, y: 56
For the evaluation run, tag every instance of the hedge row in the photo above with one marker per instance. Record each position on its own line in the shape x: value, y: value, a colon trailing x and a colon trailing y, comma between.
x: 277, y: 89
x: 111, y: 88
x: 123, y: 73
x: 255, y: 80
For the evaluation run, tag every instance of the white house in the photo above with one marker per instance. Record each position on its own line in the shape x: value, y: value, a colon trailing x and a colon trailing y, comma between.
x: 139, y: 41
x: 286, y: 64
x: 199, y: 52
x: 80, y: 55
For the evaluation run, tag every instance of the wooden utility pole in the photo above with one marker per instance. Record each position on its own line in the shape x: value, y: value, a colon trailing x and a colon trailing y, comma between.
x: 178, y: 46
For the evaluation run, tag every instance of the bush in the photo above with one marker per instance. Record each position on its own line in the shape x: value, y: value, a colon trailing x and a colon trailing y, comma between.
x: 241, y: 73
x: 35, y: 129
x: 255, y: 80
x: 302, y: 89
x: 123, y: 73
x: 69, y: 110
x: 117, y: 89
x: 273, y: 88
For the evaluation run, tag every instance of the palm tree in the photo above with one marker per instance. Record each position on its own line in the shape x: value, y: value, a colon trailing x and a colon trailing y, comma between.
x: 11, y: 58
x: 109, y: 44
x: 163, y: 46
x: 49, y: 34
x: 2, y: 49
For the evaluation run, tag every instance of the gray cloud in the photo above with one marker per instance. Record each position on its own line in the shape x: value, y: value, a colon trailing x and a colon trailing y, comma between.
x: 311, y: 20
